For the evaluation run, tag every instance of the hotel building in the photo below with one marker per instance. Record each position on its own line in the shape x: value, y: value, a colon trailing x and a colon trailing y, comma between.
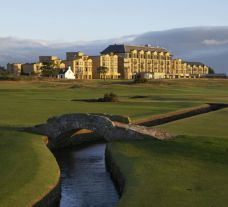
x: 138, y: 59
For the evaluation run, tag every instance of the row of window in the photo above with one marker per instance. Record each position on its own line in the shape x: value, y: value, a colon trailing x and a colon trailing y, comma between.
x: 145, y: 56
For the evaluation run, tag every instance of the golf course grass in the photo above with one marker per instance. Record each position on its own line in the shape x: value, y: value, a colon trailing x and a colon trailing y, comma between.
x: 187, y: 171
x: 30, y: 170
x: 210, y: 124
x: 190, y: 170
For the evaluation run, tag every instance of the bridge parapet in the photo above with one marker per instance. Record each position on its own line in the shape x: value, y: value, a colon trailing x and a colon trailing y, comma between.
x: 57, y: 128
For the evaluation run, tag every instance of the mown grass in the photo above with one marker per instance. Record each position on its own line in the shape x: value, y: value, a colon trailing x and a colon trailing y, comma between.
x: 187, y: 171
x: 28, y: 169
x: 29, y: 103
x: 210, y: 124
x: 190, y: 170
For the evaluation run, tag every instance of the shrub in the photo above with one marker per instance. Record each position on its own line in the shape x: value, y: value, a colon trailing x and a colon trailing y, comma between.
x: 109, y: 97
x: 140, y: 80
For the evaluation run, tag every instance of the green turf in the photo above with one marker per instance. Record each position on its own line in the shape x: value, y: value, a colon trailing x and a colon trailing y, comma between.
x: 187, y: 171
x: 190, y: 170
x: 29, y: 103
x: 210, y: 124
x: 29, y: 169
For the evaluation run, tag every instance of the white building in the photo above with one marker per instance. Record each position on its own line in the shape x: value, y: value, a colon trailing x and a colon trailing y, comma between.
x: 67, y: 74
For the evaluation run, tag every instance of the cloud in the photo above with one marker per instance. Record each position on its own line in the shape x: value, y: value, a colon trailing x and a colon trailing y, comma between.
x: 214, y: 42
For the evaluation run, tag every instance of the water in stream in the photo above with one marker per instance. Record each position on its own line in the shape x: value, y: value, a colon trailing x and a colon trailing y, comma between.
x: 85, y: 180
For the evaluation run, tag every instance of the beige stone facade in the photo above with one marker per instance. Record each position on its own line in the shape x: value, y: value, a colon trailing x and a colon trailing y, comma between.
x: 181, y: 69
x: 109, y: 61
x: 138, y: 59
x: 158, y: 61
x: 80, y: 64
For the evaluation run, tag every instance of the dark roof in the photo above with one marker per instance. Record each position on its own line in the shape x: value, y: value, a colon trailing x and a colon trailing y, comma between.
x: 195, y: 63
x: 94, y: 56
x: 128, y: 48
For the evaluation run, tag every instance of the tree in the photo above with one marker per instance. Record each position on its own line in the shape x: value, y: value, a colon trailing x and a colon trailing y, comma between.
x: 102, y: 71
x: 211, y: 70
x: 49, y: 70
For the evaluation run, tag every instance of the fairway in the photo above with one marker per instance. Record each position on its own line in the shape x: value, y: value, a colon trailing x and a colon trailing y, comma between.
x: 190, y: 170
x: 211, y: 124
x: 174, y: 170
x: 187, y: 171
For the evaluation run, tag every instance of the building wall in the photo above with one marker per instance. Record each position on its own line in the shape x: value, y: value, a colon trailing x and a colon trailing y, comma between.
x: 53, y: 60
x: 96, y: 64
x: 32, y: 68
x: 80, y: 64
x: 14, y: 68
x: 134, y: 62
x: 179, y: 69
x: 110, y: 61
x: 43, y: 59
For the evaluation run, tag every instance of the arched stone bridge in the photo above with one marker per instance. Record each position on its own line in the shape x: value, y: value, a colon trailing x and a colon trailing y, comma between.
x: 57, y: 128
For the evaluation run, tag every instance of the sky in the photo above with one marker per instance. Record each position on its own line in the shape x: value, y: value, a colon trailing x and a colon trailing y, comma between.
x: 85, y: 20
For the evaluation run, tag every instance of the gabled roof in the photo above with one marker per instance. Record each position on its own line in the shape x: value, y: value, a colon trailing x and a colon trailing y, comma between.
x: 128, y: 48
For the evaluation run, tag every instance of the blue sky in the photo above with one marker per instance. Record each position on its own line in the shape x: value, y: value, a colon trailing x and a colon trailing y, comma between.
x: 74, y: 20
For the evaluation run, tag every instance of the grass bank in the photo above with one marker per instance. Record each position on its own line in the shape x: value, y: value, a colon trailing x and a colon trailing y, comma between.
x: 28, y: 169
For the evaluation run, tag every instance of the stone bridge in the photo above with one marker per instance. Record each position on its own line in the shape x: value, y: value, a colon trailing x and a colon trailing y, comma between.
x: 58, y: 129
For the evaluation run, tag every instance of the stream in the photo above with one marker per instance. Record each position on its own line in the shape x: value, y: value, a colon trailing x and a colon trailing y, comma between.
x: 85, y: 181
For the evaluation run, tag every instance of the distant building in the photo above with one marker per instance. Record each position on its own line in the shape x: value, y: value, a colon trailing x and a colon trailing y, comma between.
x: 14, y: 68
x: 57, y: 63
x: 109, y: 61
x: 138, y: 59
x: 67, y: 74
x: 197, y: 69
x: 31, y: 68
x: 80, y: 64
x: 158, y: 61
x: 123, y: 61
